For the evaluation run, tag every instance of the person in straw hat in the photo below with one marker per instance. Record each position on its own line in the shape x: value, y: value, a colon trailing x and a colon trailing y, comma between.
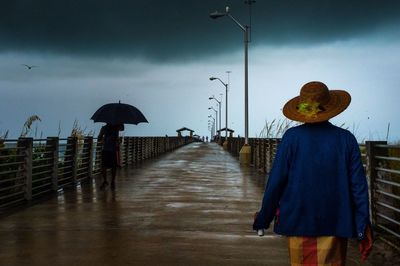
x: 317, y: 191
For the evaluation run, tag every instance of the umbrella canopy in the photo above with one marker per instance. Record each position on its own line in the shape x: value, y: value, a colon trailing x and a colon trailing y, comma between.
x: 119, y: 113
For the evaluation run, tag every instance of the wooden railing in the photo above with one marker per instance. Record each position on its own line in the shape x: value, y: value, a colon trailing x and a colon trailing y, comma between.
x: 382, y: 166
x: 31, y: 168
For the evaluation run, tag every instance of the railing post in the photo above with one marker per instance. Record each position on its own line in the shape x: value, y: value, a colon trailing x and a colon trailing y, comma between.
x: 148, y: 148
x: 132, y: 149
x: 144, y: 148
x: 128, y: 150
x: 144, y: 151
x: 256, y: 153
x: 271, y: 150
x: 140, y: 149
x: 151, y: 147
x: 26, y: 145
x: 135, y: 150
x: 74, y: 156
x: 372, y: 173
x: 121, y: 147
x: 262, y: 155
x: 52, y: 145
x: 97, y: 159
x: 88, y: 143
x: 158, y: 146
x: 240, y: 144
x: 124, y: 151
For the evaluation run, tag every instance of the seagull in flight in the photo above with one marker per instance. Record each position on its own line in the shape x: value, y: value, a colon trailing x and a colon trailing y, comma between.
x: 28, y: 66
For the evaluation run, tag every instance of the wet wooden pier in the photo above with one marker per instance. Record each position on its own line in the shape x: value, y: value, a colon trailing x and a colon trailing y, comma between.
x: 193, y: 206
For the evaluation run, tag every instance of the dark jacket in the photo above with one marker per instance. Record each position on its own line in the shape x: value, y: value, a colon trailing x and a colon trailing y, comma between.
x: 318, y: 183
x: 109, y: 135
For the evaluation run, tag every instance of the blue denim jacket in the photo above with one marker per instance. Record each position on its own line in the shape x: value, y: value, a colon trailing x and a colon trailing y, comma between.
x: 318, y: 184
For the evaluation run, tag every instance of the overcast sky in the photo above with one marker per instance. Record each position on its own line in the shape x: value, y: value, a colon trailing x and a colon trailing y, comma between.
x: 159, y: 55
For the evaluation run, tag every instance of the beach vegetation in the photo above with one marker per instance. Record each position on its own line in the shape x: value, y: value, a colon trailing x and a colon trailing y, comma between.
x: 27, y: 127
x: 276, y: 128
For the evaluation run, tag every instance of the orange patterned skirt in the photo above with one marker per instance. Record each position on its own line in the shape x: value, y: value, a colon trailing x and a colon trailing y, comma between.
x: 317, y: 251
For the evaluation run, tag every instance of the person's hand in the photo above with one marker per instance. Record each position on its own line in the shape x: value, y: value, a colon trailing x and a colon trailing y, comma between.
x: 365, y: 245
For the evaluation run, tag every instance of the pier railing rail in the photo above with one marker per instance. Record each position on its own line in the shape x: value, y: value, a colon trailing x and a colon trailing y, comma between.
x: 31, y: 168
x: 382, y: 166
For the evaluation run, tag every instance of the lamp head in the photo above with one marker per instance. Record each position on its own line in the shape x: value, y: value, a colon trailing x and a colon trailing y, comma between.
x: 216, y: 14
x: 212, y: 78
x: 209, y: 108
x: 210, y: 98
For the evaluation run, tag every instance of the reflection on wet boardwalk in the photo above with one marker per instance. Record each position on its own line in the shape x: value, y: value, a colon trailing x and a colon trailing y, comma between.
x: 193, y: 206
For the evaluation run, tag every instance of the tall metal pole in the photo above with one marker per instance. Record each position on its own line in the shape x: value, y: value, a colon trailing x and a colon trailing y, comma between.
x: 216, y: 116
x: 226, y: 111
x: 216, y: 121
x: 245, y: 29
x: 219, y: 108
x: 226, y: 107
x: 245, y: 152
x: 246, y: 85
x: 214, y: 126
x: 226, y: 85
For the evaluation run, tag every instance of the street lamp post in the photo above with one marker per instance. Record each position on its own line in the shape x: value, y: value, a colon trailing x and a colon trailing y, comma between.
x: 219, y: 108
x: 245, y: 152
x: 225, y: 145
x: 210, y: 116
x: 211, y: 129
x: 216, y: 118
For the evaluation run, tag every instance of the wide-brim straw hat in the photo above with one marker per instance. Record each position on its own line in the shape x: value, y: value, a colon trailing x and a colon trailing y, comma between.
x: 316, y: 103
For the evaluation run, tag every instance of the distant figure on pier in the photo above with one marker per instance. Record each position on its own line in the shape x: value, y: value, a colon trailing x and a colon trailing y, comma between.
x: 109, y: 135
x: 317, y: 190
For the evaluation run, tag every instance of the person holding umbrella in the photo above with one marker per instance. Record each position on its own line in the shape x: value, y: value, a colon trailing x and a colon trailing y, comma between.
x: 109, y: 135
x: 115, y: 115
x: 317, y: 190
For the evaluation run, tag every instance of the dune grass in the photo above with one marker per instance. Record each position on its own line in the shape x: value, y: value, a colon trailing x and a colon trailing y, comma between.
x: 276, y: 128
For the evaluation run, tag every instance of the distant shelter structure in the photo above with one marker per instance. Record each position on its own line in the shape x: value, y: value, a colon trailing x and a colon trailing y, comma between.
x: 221, y: 131
x: 179, y: 131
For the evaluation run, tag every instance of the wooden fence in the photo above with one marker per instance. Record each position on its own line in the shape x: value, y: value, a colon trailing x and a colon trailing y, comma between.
x: 382, y: 166
x: 31, y: 168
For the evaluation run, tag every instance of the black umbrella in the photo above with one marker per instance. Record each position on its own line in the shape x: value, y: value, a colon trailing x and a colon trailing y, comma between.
x: 118, y: 113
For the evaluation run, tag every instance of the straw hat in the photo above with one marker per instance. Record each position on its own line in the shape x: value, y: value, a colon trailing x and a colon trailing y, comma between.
x: 316, y: 103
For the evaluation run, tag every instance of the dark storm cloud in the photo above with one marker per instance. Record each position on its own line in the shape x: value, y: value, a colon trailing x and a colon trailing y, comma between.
x: 178, y: 29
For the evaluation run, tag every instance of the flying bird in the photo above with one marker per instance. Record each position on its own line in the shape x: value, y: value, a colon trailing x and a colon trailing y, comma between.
x: 28, y: 66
